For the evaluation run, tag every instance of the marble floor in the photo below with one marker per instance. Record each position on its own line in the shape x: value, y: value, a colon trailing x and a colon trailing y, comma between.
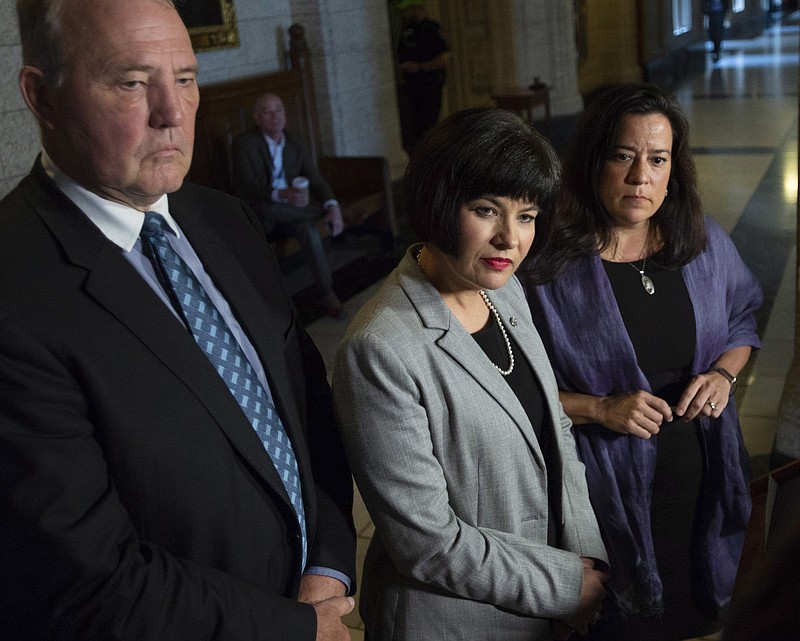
x: 743, y: 113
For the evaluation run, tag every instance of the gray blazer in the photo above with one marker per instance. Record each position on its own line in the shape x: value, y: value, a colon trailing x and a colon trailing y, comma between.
x: 452, y: 474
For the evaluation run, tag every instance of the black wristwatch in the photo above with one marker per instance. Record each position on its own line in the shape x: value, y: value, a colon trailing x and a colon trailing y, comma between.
x: 728, y: 376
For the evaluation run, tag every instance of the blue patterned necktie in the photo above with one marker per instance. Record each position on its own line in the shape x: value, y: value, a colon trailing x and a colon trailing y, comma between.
x: 218, y: 343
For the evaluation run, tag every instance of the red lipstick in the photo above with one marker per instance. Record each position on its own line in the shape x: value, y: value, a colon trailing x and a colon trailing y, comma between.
x: 496, y: 263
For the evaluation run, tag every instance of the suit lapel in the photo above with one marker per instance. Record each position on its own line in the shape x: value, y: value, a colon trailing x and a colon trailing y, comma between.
x: 116, y: 285
x: 262, y: 323
x: 292, y: 156
x: 263, y: 150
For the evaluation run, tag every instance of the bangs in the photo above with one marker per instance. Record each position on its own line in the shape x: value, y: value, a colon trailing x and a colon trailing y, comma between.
x: 517, y: 169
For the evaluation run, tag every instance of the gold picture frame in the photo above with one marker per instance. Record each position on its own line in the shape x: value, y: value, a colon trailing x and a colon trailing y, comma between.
x: 211, y: 23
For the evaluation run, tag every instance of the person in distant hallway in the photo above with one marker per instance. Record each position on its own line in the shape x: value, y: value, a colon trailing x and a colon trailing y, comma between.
x: 266, y: 160
x: 716, y: 11
x: 646, y: 310
x: 450, y: 413
x: 170, y: 464
x: 422, y: 55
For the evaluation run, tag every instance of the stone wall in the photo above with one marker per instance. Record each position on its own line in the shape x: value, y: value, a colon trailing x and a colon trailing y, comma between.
x: 19, y: 137
x: 353, y: 68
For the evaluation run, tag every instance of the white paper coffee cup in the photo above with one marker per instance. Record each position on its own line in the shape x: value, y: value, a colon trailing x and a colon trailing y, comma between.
x: 300, y: 182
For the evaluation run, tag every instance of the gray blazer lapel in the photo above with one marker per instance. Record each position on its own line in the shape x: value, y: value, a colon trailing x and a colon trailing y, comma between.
x: 510, y: 302
x: 461, y: 347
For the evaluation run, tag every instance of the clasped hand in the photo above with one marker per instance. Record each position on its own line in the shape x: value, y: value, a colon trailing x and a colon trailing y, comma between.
x: 589, y: 605
x: 326, y: 595
x: 636, y: 413
x: 296, y: 197
x: 641, y: 414
x: 333, y: 216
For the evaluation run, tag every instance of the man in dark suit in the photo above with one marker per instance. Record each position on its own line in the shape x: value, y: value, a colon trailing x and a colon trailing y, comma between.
x: 266, y: 162
x: 422, y: 55
x: 137, y: 499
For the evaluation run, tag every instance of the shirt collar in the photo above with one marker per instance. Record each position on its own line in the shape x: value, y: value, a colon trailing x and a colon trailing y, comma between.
x: 119, y: 223
x: 274, y: 144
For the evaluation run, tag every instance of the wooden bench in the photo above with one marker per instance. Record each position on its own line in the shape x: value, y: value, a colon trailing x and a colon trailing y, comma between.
x: 362, y: 184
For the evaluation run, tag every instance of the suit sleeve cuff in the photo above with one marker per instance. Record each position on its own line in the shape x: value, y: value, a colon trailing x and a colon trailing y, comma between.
x: 330, y: 572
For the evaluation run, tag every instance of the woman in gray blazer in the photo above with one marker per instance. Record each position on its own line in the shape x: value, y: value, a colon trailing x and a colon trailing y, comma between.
x: 450, y: 411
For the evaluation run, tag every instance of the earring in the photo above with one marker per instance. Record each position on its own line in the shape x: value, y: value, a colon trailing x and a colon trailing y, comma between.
x: 666, y: 193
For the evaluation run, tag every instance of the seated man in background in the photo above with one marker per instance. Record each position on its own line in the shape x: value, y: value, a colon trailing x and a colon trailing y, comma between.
x: 267, y: 160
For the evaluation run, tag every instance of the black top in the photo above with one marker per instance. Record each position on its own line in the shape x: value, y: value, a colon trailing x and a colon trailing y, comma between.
x: 525, y: 385
x: 522, y: 379
x: 661, y: 326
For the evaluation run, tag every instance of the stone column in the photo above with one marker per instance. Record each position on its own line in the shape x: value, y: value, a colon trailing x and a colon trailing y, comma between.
x: 356, y: 101
x: 544, y: 39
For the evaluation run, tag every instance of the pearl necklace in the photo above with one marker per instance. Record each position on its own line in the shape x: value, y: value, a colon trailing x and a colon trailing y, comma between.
x: 493, y: 309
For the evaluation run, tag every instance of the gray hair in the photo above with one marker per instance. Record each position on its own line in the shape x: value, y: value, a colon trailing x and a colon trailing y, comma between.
x: 41, y: 33
x: 44, y: 43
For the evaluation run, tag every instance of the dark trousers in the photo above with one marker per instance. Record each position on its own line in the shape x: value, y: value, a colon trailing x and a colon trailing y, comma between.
x: 716, y: 28
x: 426, y: 103
x: 281, y: 220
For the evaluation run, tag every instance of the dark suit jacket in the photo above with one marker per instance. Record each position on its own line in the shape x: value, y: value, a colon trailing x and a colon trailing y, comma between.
x: 252, y: 167
x: 137, y: 501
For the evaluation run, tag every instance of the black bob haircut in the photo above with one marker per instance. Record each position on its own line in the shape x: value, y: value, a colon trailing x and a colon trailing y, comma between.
x: 471, y: 154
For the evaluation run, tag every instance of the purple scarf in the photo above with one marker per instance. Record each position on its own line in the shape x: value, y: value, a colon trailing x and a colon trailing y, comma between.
x: 591, y: 353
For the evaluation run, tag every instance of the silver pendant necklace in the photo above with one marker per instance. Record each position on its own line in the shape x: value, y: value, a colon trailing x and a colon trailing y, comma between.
x: 647, y: 282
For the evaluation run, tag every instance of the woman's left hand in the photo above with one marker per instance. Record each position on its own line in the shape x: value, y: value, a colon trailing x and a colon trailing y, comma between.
x: 706, y: 395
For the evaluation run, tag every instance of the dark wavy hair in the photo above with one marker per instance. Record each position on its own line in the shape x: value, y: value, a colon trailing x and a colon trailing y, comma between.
x: 470, y: 154
x: 583, y: 226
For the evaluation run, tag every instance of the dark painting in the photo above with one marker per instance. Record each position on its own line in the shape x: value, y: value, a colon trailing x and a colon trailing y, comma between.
x: 211, y: 23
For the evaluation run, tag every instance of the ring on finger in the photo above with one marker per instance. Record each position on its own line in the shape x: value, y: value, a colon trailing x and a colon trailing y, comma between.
x: 712, y: 405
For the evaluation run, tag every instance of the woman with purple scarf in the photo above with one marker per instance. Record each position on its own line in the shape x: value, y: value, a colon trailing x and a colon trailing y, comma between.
x: 646, y: 310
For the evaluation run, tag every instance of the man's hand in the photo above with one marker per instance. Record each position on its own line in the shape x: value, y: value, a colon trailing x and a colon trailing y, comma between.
x: 333, y: 216
x: 329, y: 618
x: 317, y: 587
x: 296, y: 197
x: 410, y: 66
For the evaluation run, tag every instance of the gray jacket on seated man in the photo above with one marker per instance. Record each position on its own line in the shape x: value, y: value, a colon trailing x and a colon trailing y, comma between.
x: 267, y: 160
